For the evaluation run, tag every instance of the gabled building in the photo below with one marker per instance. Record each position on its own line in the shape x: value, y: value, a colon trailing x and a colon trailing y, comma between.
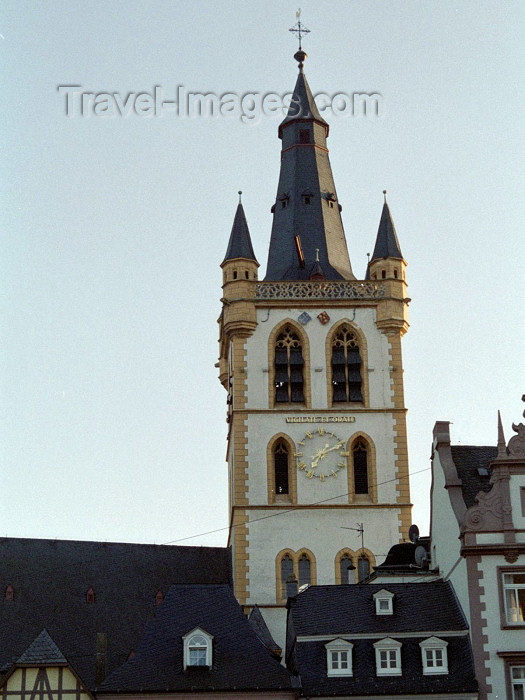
x: 200, y: 642
x: 478, y: 543
x: 94, y: 599
x: 43, y: 673
x: 372, y: 641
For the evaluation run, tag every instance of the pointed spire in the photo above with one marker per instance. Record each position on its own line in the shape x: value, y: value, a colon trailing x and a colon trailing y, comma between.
x: 387, y: 245
x: 240, y: 243
x: 302, y: 106
x: 502, y: 446
x: 306, y: 213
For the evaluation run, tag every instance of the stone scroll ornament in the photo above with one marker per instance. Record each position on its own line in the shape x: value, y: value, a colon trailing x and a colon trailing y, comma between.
x: 516, y: 446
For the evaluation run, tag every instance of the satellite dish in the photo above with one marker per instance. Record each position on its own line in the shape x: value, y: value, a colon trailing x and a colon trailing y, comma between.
x: 420, y: 555
x: 413, y: 533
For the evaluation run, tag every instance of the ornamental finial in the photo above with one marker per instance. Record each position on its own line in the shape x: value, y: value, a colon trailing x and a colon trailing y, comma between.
x: 240, y: 195
x: 384, y: 195
x: 300, y: 30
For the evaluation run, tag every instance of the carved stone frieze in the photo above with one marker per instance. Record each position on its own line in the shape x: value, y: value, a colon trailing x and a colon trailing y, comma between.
x: 319, y: 289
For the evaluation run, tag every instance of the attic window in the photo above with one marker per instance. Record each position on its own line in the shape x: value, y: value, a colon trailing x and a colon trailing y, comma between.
x: 90, y: 595
x: 339, y: 658
x: 197, y: 649
x: 434, y: 656
x: 284, y: 198
x: 384, y: 602
x: 9, y: 593
x: 388, y: 657
x: 307, y: 197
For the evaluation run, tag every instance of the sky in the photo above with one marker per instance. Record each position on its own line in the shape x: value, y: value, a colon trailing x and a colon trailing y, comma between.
x: 114, y: 227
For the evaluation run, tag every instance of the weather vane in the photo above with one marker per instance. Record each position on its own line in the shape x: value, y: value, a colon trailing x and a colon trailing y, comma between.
x: 299, y: 28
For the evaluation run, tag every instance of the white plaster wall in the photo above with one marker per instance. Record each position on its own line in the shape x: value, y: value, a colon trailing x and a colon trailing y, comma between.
x: 262, y: 427
x: 377, y: 348
x: 444, y: 538
x: 322, y: 531
x: 498, y: 639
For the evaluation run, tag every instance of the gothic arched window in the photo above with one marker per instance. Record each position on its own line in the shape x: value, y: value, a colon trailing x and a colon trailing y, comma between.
x: 289, y: 364
x: 360, y: 462
x: 297, y: 566
x: 346, y: 569
x: 363, y: 567
x: 286, y: 570
x: 346, y: 366
x: 280, y: 466
x: 304, y: 568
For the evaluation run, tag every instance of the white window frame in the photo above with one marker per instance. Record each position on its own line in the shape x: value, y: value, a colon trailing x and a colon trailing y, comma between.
x: 392, y: 649
x: 384, y: 602
x: 513, y: 595
x: 517, y: 681
x: 192, y: 641
x: 430, y: 647
x: 334, y: 658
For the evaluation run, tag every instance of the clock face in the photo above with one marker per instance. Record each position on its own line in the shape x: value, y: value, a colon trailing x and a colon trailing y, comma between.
x: 320, y: 454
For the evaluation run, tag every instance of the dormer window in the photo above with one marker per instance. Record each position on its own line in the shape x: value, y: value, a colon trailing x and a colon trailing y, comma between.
x: 388, y: 657
x: 284, y: 198
x: 339, y: 658
x: 434, y: 656
x: 197, y: 649
x: 384, y: 602
x: 307, y: 197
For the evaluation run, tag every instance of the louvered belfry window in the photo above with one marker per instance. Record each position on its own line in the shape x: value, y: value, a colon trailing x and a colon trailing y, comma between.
x: 289, y: 363
x: 346, y: 367
x: 360, y: 459
x: 280, y: 463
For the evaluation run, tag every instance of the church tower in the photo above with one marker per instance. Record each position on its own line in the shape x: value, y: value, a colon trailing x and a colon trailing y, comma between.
x: 311, y: 360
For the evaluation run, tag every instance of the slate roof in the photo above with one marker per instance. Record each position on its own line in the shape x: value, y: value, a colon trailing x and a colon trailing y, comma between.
x: 302, y: 105
x: 387, y: 245
x: 42, y: 650
x: 50, y: 580
x: 468, y: 460
x: 240, y: 661
x: 306, y: 206
x: 338, y: 609
x: 420, y: 611
x: 240, y: 243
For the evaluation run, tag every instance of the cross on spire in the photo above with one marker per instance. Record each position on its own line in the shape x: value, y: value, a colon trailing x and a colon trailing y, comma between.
x: 299, y: 29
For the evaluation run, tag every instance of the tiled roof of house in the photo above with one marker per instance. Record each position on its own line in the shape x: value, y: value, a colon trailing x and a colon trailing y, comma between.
x: 50, y: 581
x: 338, y: 609
x: 472, y: 464
x: 419, y: 611
x: 240, y: 661
x: 42, y: 651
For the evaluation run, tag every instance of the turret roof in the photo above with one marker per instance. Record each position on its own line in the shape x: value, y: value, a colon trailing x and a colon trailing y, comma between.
x: 240, y: 243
